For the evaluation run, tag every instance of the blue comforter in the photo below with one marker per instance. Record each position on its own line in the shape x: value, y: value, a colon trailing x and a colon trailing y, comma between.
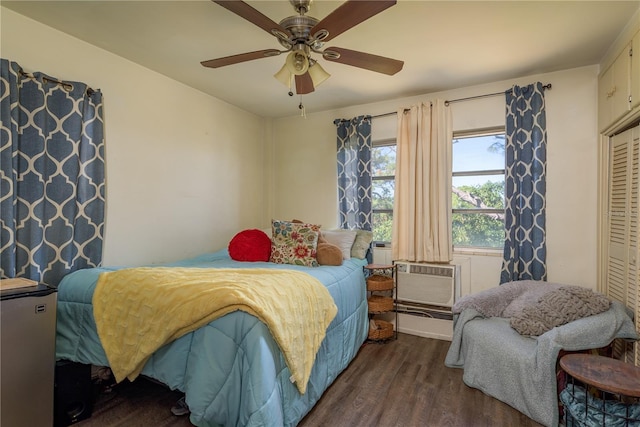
x: 231, y: 370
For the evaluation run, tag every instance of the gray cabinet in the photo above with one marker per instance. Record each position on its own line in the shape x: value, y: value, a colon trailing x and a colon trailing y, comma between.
x: 27, y: 356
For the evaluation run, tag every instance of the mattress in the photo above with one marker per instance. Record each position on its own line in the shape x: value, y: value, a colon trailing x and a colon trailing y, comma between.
x: 231, y: 370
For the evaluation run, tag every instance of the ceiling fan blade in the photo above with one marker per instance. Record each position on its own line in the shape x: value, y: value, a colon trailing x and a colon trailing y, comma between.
x: 379, y: 64
x: 247, y: 12
x: 304, y: 84
x: 348, y: 15
x: 235, y: 59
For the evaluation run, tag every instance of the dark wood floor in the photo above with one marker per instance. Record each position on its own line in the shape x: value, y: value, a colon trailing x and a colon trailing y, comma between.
x: 399, y: 383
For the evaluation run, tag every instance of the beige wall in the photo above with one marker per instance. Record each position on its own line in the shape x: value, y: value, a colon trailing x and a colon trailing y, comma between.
x: 305, y: 166
x: 185, y: 171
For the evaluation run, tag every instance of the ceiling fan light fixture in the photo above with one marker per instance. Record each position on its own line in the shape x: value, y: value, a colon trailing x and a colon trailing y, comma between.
x: 318, y: 74
x: 297, y: 63
x: 301, y: 35
x: 284, y: 76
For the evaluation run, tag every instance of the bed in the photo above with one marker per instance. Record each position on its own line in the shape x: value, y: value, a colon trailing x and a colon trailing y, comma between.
x: 231, y: 369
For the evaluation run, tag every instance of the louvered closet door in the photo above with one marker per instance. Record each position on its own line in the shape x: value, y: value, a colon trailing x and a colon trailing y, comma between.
x: 623, y: 228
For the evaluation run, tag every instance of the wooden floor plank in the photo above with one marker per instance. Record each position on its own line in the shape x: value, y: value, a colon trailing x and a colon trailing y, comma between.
x: 418, y: 390
x: 401, y: 383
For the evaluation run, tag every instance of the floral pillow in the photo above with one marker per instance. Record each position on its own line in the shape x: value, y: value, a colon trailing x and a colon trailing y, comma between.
x: 294, y: 243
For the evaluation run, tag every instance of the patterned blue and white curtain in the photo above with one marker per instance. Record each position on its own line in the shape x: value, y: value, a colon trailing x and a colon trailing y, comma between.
x: 51, y: 175
x: 525, y: 249
x: 354, y: 172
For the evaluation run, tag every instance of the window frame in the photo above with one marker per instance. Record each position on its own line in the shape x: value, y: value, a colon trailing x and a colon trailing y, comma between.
x: 470, y: 133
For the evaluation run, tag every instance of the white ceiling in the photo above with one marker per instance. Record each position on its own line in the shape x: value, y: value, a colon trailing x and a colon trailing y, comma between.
x: 444, y: 44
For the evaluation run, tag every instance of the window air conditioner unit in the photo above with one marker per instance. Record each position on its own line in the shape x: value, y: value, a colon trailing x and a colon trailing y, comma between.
x: 427, y: 284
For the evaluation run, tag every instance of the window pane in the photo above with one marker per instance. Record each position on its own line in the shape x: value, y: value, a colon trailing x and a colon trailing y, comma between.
x: 383, y: 168
x: 476, y: 189
x: 478, y: 153
x: 478, y: 192
x: 382, y: 193
x: 382, y: 222
x: 478, y: 230
x: 383, y: 160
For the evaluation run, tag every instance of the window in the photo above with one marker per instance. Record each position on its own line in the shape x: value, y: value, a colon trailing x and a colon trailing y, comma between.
x: 383, y: 170
x: 478, y: 189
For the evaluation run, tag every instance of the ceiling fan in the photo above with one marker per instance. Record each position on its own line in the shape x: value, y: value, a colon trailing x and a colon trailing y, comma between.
x: 301, y: 35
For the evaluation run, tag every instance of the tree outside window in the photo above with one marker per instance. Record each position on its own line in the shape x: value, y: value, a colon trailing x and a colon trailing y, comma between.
x: 383, y: 169
x: 478, y: 190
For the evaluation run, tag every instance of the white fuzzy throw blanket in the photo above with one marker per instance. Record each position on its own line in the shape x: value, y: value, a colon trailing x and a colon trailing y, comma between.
x: 535, y: 307
x: 521, y: 370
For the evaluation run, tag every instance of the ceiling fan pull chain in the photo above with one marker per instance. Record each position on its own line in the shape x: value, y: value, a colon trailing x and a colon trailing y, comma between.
x: 303, y: 112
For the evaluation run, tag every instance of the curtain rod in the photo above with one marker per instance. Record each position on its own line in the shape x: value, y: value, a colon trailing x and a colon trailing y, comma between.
x: 67, y: 86
x: 386, y: 114
x: 371, y: 117
x: 547, y: 86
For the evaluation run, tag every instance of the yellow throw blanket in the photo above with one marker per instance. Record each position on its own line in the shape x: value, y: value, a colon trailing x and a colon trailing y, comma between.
x: 138, y: 310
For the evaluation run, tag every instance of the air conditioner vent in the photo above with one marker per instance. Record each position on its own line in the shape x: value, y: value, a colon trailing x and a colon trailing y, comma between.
x: 431, y: 270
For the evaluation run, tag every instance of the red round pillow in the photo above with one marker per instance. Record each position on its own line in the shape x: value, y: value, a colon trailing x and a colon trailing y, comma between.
x: 250, y: 245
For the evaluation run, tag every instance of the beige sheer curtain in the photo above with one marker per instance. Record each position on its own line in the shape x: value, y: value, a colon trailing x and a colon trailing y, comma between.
x: 422, y: 207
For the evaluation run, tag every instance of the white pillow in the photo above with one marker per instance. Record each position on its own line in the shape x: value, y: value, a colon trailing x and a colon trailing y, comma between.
x: 341, y: 238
